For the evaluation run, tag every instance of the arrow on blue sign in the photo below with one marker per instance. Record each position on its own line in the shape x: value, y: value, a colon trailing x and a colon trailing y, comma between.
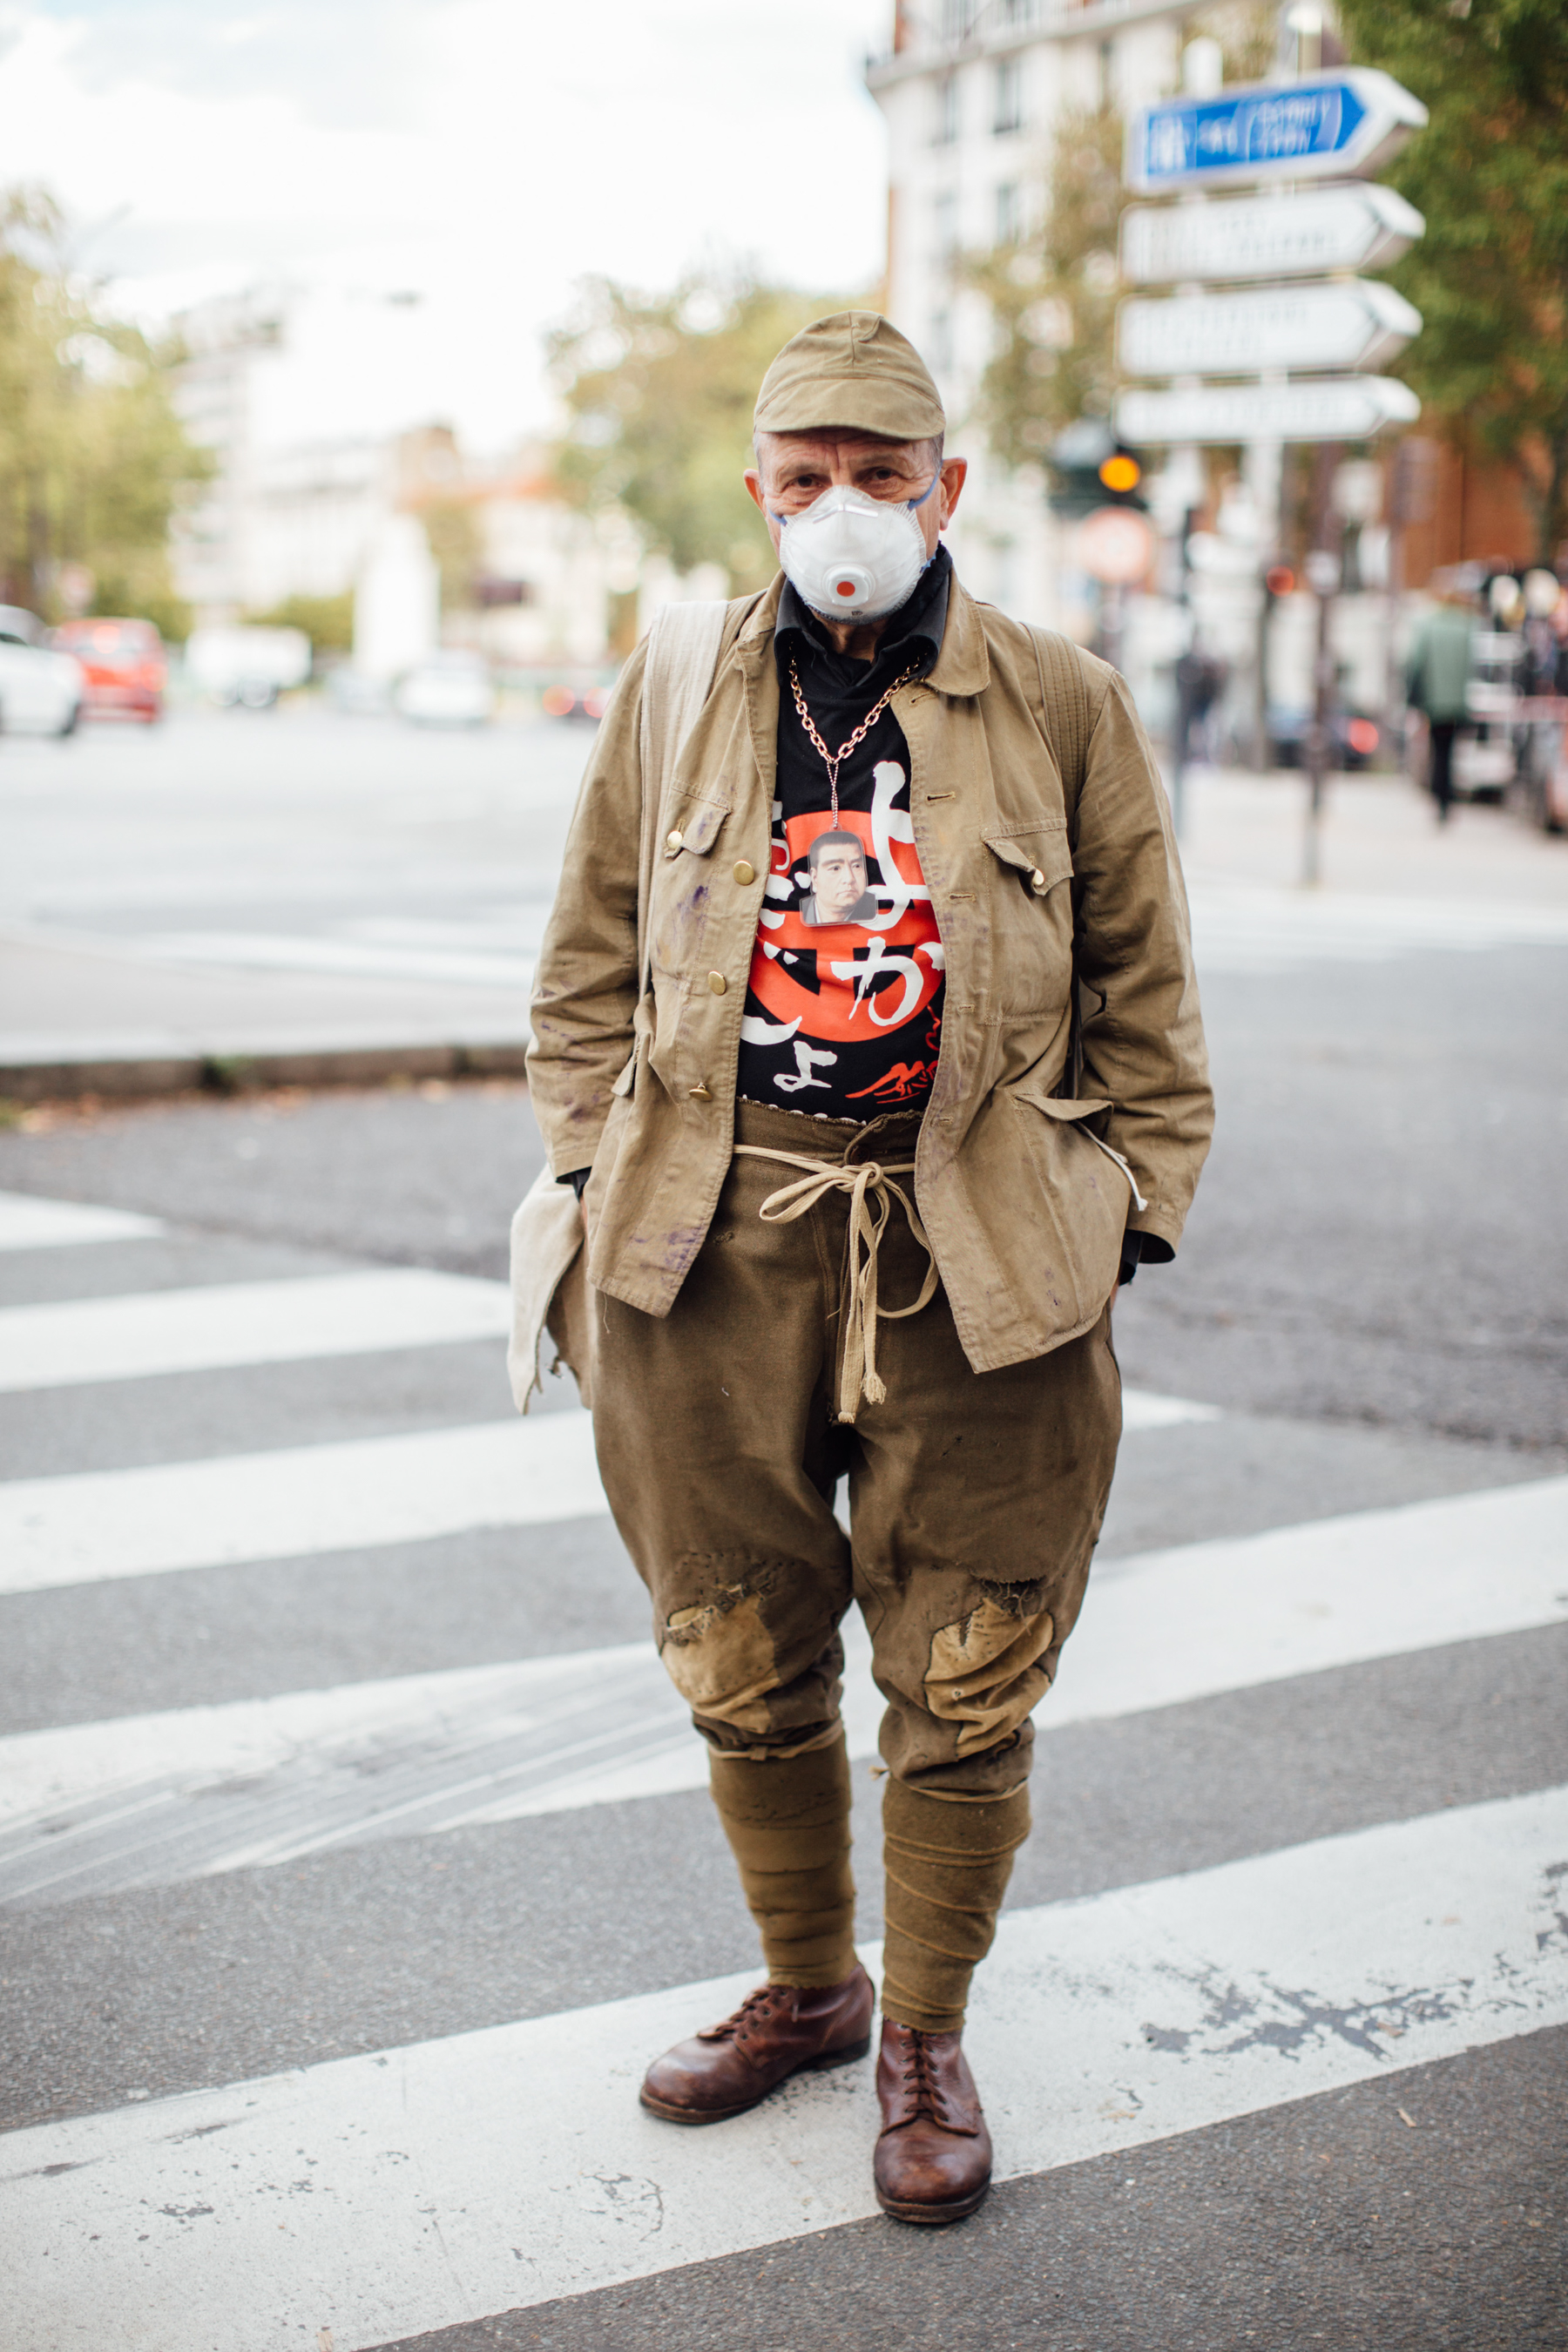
x: 1331, y: 125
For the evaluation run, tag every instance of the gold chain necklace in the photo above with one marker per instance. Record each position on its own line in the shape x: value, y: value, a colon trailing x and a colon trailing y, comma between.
x: 834, y: 761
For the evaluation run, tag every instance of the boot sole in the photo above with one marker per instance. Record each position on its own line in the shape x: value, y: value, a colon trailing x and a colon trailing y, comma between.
x: 934, y: 2216
x: 671, y: 2114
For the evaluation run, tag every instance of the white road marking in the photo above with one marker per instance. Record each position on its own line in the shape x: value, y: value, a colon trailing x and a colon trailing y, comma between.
x: 1251, y: 927
x: 200, y: 1329
x: 384, y: 2196
x: 28, y: 1222
x: 311, y: 952
x: 1146, y: 1409
x: 96, y: 1525
x: 146, y: 1800
x: 104, y: 1524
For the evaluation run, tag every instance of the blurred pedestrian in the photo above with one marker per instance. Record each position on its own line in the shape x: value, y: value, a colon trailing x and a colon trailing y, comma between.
x: 820, y: 1048
x: 1436, y: 683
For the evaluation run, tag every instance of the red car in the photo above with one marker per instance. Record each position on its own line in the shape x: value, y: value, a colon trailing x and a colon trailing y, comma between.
x: 124, y: 663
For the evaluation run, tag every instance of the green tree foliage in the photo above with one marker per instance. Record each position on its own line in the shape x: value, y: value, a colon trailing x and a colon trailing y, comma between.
x: 452, y: 528
x: 93, y: 459
x: 1491, y: 173
x: 660, y: 390
x: 1053, y: 297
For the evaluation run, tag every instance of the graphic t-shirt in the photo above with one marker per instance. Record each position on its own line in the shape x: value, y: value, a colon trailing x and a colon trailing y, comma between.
x: 844, y: 1001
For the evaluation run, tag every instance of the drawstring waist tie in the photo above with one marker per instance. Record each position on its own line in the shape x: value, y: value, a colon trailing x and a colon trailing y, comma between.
x: 872, y: 1192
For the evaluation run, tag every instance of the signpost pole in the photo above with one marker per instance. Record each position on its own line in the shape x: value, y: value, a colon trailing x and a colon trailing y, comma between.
x: 1269, y: 365
x: 1322, y: 568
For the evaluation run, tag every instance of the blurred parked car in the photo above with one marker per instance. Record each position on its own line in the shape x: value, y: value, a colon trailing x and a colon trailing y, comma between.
x: 248, y: 669
x: 446, y: 690
x: 1353, y: 739
x: 124, y: 665
x: 41, y: 691
x: 575, y: 703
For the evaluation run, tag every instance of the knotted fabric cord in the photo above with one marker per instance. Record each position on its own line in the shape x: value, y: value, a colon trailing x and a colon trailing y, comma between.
x: 864, y: 1183
x: 834, y: 761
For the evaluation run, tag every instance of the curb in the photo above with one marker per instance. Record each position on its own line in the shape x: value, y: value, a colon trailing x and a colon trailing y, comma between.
x: 144, y: 1076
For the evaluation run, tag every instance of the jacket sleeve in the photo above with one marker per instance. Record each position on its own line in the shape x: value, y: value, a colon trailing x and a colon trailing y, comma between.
x: 586, y: 990
x: 1143, y: 1030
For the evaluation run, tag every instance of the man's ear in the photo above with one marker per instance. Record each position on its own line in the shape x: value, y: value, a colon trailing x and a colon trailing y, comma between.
x: 753, y: 482
x: 955, y: 474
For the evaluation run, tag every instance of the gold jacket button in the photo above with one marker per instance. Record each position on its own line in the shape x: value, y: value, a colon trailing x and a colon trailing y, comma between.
x: 717, y: 982
x: 700, y: 1094
x: 673, y: 841
x: 745, y: 871
x: 1038, y: 878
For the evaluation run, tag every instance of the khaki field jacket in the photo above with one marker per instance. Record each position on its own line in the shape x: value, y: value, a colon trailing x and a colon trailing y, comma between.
x: 1025, y: 1182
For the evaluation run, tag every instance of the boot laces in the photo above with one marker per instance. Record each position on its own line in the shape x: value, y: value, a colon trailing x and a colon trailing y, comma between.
x: 757, y: 2009
x: 920, y: 2083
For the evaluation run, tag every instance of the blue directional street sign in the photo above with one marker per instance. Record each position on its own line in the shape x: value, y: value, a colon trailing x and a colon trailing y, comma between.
x: 1340, y: 125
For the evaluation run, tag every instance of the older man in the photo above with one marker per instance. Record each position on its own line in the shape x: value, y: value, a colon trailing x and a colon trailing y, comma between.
x: 860, y: 1176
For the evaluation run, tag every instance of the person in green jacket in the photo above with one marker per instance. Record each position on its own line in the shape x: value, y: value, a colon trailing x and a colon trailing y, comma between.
x: 1438, y: 676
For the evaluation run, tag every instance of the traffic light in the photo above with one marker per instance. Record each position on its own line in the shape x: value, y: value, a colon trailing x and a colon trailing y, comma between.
x: 1090, y: 469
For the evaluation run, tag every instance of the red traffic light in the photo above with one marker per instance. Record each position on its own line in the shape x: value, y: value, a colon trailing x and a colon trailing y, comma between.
x: 1280, y: 579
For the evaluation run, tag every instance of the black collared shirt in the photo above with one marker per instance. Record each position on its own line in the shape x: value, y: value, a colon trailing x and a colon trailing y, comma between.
x: 844, y: 1006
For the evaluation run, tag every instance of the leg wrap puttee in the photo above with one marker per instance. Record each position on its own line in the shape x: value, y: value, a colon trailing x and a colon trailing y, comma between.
x: 947, y: 1866
x: 788, y: 1826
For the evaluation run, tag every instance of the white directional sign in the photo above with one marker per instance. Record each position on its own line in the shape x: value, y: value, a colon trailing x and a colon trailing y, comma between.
x: 1342, y: 408
x: 1332, y: 126
x: 1303, y: 235
x: 1351, y: 324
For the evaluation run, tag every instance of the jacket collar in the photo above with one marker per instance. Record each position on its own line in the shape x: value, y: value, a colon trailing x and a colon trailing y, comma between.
x: 962, y: 666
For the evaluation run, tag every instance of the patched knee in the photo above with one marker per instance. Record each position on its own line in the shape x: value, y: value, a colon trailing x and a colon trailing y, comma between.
x: 988, y: 1670
x: 720, y: 1657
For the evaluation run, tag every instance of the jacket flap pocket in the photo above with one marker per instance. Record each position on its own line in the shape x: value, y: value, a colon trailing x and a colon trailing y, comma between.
x: 695, y: 825
x: 1040, y: 853
x: 1068, y: 1108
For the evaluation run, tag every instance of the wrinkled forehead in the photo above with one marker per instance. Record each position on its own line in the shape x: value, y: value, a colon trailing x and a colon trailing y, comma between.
x: 778, y: 452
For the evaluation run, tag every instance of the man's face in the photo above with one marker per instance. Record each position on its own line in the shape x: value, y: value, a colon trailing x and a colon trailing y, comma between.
x: 839, y: 880
x: 793, y: 470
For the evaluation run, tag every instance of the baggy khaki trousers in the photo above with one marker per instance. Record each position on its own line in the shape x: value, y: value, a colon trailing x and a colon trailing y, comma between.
x: 976, y: 1499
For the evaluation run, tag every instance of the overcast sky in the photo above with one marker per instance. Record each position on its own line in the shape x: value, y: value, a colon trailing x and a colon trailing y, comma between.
x: 482, y: 153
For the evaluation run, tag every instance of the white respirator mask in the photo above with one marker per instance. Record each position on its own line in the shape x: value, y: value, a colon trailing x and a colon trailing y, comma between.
x: 851, y: 557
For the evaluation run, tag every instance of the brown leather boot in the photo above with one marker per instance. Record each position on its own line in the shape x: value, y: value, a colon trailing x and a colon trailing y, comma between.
x: 933, y: 2158
x: 778, y: 2030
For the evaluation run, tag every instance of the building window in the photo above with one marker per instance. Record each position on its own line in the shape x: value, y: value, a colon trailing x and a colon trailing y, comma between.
x: 946, y: 110
x: 1107, y: 74
x: 957, y: 19
x: 945, y: 218
x: 939, y: 342
x: 1008, y: 112
x: 1009, y: 214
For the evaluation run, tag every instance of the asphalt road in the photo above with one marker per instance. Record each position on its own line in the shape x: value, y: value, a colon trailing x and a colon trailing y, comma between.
x: 1371, y: 1295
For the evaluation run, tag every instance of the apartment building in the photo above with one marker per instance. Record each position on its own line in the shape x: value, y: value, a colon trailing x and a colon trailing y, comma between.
x: 973, y: 92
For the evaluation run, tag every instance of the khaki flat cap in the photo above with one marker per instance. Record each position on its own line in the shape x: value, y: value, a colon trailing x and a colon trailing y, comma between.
x: 854, y: 371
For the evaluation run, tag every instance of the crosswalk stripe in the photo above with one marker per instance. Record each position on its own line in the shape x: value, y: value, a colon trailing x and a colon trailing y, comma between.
x: 100, y: 1807
x: 96, y: 1524
x: 420, y: 2187
x: 305, y: 1499
x: 314, y: 951
x: 200, y: 1329
x: 28, y: 1221
x: 1251, y: 927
